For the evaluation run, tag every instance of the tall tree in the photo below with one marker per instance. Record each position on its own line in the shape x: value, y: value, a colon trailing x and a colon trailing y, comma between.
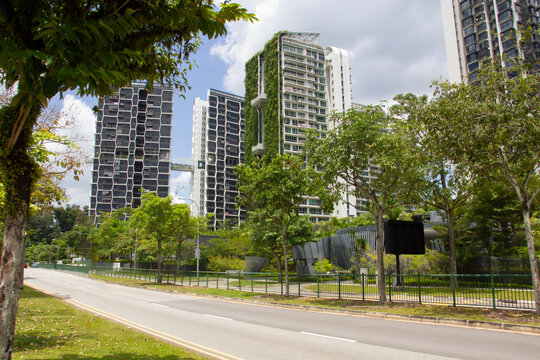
x: 365, y: 155
x: 448, y: 184
x: 164, y: 221
x: 494, y: 124
x: 93, y: 46
x: 276, y: 188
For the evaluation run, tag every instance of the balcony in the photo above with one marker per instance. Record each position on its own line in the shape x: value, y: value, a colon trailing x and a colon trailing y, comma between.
x: 258, y: 150
x: 258, y: 102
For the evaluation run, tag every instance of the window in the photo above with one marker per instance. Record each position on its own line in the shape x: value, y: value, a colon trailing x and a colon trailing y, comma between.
x: 505, y: 15
x: 506, y: 25
x: 465, y: 4
x: 472, y: 57
x: 468, y: 21
x: 471, y: 48
x: 470, y: 39
x: 483, y: 35
x: 468, y: 30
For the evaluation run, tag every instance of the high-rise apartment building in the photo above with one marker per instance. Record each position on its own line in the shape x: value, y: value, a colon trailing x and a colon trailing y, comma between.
x: 287, y: 92
x: 480, y: 29
x: 338, y: 78
x: 132, y: 147
x: 217, y: 147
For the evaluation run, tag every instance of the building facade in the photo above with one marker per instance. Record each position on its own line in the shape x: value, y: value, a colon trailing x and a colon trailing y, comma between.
x: 132, y: 147
x: 288, y: 92
x: 217, y: 147
x: 487, y: 29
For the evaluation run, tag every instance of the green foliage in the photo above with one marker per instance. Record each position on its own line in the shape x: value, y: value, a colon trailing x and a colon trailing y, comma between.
x: 272, y: 118
x: 324, y: 266
x: 275, y: 189
x: 220, y: 263
x: 332, y: 225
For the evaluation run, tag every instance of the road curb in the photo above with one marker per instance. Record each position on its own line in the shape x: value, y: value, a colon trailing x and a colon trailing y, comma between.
x: 476, y: 324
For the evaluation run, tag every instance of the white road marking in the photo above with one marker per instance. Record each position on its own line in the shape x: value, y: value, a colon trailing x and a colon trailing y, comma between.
x: 218, y: 317
x: 165, y: 306
x: 327, y: 336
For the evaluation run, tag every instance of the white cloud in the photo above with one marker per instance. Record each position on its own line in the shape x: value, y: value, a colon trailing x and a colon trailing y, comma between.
x: 82, y: 133
x: 180, y: 187
x: 396, y: 46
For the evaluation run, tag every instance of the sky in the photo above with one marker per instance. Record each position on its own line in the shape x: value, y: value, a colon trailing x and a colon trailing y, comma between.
x: 396, y: 46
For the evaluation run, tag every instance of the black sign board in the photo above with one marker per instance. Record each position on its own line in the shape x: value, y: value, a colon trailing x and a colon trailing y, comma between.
x: 404, y: 237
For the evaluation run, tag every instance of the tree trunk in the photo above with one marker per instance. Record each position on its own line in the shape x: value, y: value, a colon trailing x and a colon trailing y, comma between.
x: 159, y: 278
x: 532, y: 256
x: 452, y: 244
x: 381, y: 281
x: 285, y: 262
x: 11, y: 277
x: 178, y: 255
x: 18, y: 172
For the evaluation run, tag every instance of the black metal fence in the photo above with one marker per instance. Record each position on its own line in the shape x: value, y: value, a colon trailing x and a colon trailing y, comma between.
x: 496, y: 291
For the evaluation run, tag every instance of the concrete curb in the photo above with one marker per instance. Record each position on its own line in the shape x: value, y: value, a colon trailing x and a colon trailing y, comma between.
x: 476, y: 324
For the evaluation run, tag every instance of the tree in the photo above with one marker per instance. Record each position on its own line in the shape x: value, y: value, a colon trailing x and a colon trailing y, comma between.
x: 494, y: 124
x: 163, y: 221
x: 266, y: 237
x: 276, y: 188
x: 448, y: 184
x: 365, y: 155
x: 51, y: 46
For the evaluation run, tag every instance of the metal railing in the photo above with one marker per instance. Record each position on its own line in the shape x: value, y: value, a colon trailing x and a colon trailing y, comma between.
x: 497, y: 291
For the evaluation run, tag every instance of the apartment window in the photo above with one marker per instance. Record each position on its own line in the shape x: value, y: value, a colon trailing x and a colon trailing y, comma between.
x: 473, y: 66
x: 466, y: 13
x: 471, y: 48
x: 468, y: 30
x: 470, y: 39
x: 505, y: 15
x: 481, y: 27
x: 468, y: 21
x: 465, y: 4
x: 483, y: 36
x: 506, y: 25
x: 472, y: 57
x: 503, y: 6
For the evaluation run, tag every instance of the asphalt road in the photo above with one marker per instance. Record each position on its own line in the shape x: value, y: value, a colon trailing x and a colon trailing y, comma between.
x: 231, y: 330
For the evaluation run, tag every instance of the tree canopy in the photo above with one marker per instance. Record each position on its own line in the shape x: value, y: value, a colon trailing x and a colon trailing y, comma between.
x: 92, y: 46
x: 367, y: 155
x: 275, y: 188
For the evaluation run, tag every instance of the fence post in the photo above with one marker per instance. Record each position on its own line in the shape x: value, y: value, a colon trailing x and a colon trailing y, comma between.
x: 298, y: 281
x: 265, y: 283
x: 493, y: 291
x: 318, y: 286
x: 363, y: 287
x: 419, y: 289
x: 227, y: 275
x: 339, y: 285
x: 206, y: 280
x: 281, y: 282
x: 239, y: 282
x: 251, y: 282
x: 217, y: 280
x: 453, y: 285
x: 390, y: 287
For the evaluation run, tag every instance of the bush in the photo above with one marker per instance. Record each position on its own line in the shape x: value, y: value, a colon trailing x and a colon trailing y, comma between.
x: 220, y: 263
x: 324, y: 266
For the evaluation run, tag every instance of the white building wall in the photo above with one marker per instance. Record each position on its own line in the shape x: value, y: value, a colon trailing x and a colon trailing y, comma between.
x: 198, y: 144
x: 338, y: 79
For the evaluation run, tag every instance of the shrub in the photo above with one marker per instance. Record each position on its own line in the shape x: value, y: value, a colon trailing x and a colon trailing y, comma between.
x: 220, y: 263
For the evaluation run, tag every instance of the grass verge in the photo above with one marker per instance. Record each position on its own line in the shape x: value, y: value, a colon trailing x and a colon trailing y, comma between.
x: 466, y: 313
x: 47, y: 328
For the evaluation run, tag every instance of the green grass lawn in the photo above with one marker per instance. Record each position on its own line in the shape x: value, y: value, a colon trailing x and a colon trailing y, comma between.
x: 47, y: 328
x: 480, y: 314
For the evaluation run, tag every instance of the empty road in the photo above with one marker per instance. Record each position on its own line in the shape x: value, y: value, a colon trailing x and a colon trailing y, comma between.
x: 232, y: 330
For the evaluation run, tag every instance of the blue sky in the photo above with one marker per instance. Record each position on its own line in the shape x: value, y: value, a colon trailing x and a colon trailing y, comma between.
x: 396, y: 46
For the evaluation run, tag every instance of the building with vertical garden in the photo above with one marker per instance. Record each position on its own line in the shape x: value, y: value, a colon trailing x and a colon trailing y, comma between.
x: 287, y: 93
